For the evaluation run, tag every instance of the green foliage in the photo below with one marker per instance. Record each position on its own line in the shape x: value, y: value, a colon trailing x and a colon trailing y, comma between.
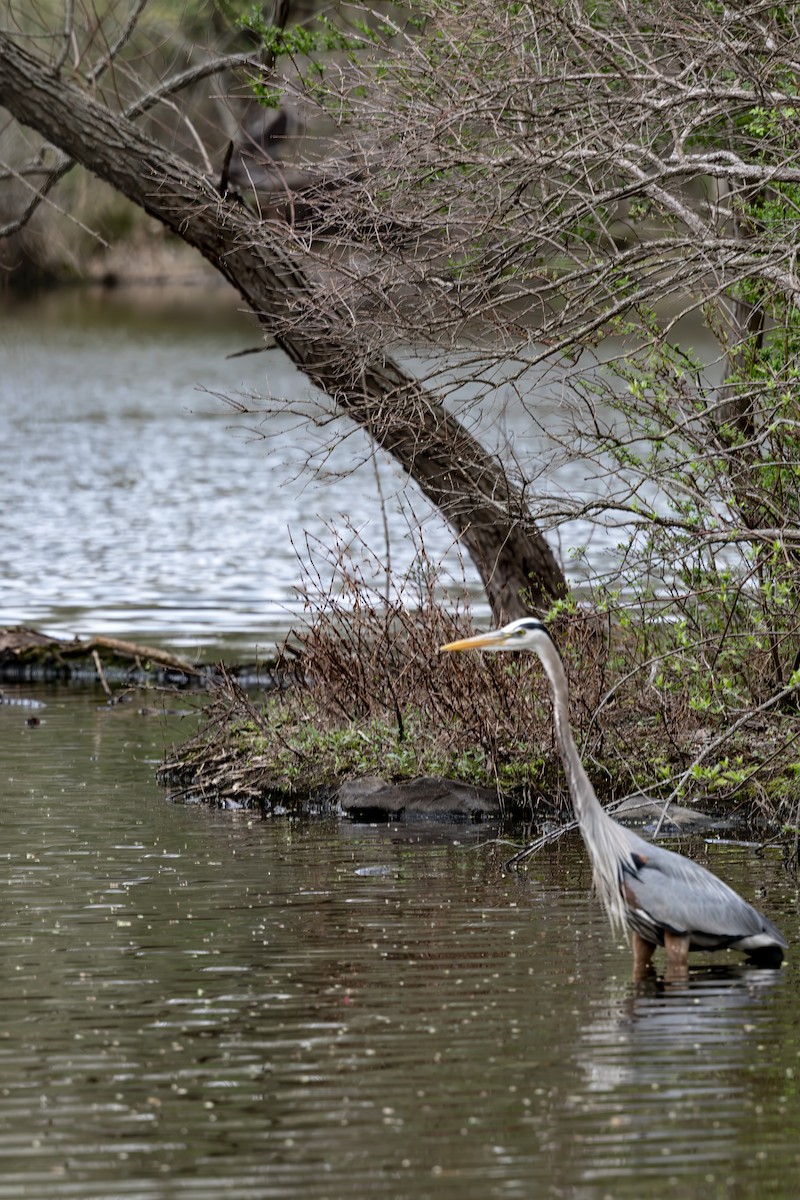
x: 297, y: 41
x: 308, y: 751
x: 305, y: 45
x: 719, y: 776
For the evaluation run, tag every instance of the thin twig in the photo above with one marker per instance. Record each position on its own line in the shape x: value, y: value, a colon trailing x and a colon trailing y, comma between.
x: 101, y: 675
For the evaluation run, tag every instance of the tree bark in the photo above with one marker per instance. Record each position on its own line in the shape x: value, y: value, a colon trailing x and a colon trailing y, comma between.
x: 466, y: 483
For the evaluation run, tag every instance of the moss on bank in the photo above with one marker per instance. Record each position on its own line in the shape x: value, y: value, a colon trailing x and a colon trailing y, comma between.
x: 285, y: 756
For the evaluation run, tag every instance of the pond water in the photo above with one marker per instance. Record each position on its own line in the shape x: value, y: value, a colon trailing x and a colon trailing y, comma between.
x: 135, y: 503
x: 199, y: 1004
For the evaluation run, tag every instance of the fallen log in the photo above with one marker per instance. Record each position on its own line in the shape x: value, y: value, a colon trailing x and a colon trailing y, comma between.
x: 28, y: 654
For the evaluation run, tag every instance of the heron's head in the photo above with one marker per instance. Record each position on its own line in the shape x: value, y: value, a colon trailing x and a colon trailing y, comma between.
x: 525, y: 634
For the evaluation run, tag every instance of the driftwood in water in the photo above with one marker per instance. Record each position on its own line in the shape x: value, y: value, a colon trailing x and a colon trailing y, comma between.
x: 28, y: 654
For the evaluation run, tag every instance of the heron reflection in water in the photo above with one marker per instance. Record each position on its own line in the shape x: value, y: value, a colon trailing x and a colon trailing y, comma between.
x: 667, y: 900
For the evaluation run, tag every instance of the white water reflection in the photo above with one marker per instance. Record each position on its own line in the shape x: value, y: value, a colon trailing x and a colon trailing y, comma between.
x: 134, y: 503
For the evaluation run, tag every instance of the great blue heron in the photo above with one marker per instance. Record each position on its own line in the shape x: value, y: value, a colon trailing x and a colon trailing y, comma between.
x: 666, y: 899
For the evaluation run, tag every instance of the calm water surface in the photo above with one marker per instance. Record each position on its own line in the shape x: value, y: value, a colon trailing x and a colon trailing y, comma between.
x: 200, y: 1004
x: 135, y: 503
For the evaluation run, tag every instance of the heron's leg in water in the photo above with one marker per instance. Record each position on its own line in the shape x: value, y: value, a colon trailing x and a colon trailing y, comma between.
x: 642, y: 958
x: 677, y: 948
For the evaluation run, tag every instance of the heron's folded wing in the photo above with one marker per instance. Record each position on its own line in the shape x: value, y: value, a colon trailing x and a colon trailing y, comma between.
x: 681, y: 896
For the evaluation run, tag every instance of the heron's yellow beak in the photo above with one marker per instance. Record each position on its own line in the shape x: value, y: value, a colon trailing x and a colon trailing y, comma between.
x: 481, y: 641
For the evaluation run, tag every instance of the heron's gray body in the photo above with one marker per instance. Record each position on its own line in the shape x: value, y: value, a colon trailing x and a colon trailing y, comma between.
x: 659, y: 894
x: 667, y: 893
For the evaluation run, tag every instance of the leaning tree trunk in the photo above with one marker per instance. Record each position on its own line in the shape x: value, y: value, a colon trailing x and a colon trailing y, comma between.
x: 467, y: 484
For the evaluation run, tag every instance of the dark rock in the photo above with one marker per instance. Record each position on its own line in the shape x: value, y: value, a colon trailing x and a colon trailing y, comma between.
x: 643, y: 810
x: 424, y: 797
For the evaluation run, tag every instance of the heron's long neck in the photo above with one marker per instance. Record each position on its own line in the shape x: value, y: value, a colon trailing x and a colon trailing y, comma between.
x: 605, y: 840
x: 584, y: 800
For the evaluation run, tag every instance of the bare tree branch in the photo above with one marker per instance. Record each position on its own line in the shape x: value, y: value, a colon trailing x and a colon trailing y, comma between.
x: 168, y: 87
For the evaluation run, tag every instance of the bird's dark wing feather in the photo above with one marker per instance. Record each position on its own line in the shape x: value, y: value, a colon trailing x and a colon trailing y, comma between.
x: 666, y: 891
